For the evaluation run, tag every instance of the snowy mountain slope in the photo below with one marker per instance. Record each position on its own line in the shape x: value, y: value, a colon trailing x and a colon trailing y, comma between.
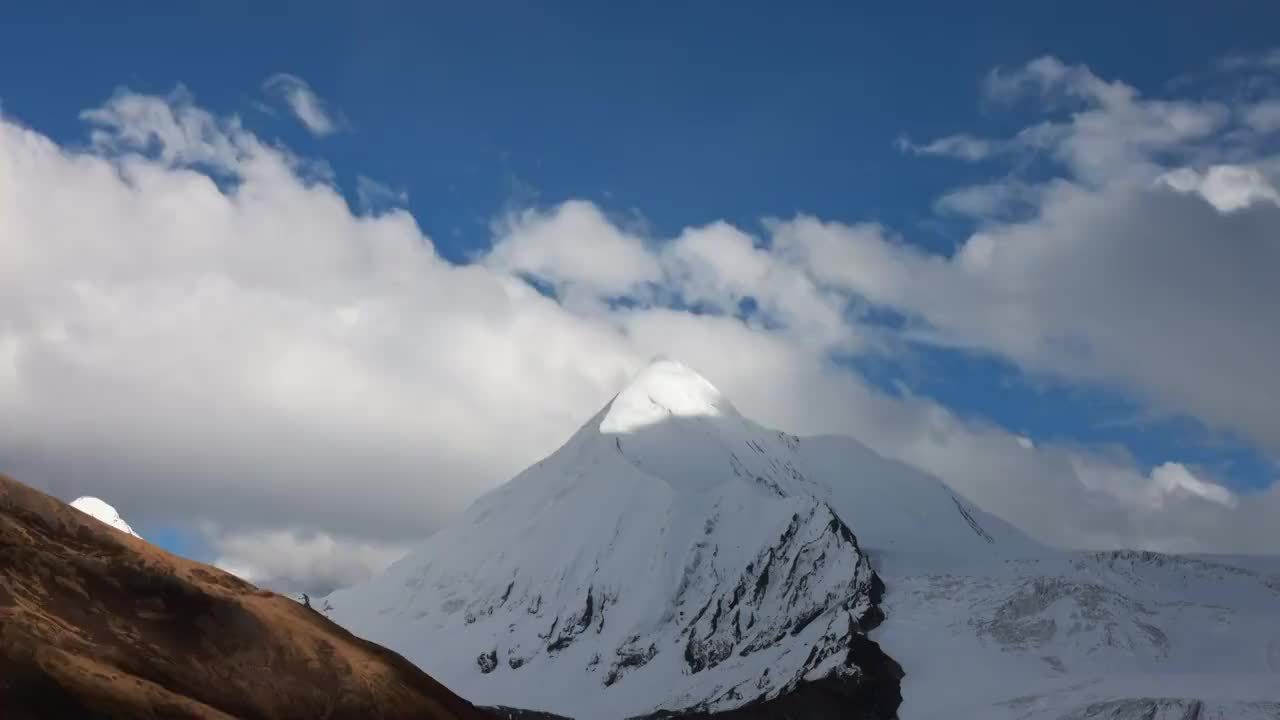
x: 1076, y: 635
x: 895, y: 508
x: 100, y: 510
x: 671, y: 556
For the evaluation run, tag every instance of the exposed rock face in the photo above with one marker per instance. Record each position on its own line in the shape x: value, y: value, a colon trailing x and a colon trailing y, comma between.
x: 870, y: 688
x: 95, y: 623
x: 871, y: 693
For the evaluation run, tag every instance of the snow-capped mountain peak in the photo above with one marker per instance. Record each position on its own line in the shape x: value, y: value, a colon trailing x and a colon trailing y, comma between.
x: 671, y: 556
x: 103, y: 512
x: 663, y: 390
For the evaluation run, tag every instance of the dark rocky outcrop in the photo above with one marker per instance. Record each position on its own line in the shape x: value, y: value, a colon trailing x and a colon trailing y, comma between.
x: 874, y: 695
x: 873, y: 692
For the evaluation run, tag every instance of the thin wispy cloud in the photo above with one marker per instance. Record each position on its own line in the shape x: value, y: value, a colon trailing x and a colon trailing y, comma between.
x: 961, y: 147
x: 374, y: 196
x: 313, y: 112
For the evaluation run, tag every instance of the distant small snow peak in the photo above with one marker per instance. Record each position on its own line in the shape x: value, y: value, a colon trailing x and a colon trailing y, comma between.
x: 665, y: 388
x: 103, y: 512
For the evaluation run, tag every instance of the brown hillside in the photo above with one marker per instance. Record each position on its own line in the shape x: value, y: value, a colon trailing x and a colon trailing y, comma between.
x: 97, y: 624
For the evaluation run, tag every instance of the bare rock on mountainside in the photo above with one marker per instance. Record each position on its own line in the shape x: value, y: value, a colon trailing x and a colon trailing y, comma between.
x: 95, y: 623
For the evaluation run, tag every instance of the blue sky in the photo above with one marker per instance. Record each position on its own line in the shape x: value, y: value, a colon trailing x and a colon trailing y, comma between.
x: 671, y: 116
x: 764, y: 111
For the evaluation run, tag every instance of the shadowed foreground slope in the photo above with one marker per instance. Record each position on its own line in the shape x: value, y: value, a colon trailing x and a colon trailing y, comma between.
x: 97, y: 624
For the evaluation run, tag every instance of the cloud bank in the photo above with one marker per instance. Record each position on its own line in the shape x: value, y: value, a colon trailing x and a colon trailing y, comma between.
x: 197, y: 326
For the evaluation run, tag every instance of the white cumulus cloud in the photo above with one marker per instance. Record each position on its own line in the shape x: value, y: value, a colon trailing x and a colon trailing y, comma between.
x: 1226, y: 187
x: 315, y: 562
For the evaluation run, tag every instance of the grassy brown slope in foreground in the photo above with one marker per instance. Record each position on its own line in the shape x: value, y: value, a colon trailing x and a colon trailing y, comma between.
x: 97, y: 624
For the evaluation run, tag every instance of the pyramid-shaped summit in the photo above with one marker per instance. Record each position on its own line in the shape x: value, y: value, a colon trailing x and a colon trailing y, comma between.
x: 664, y: 389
